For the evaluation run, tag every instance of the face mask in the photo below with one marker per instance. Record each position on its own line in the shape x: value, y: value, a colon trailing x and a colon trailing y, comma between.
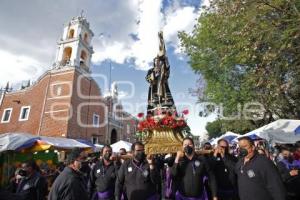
x: 140, y: 156
x: 243, y: 152
x: 107, y: 156
x: 188, y: 150
x: 23, y: 173
x: 18, y: 177
x: 84, y: 167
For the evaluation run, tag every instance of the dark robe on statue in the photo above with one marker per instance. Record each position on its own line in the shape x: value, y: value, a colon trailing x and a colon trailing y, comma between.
x: 159, y: 94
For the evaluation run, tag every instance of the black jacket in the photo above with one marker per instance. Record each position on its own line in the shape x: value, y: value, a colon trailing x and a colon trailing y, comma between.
x: 259, y: 179
x: 189, y: 175
x: 223, y: 169
x: 140, y: 181
x: 102, y: 178
x: 292, y: 183
x: 69, y: 185
x: 32, y: 188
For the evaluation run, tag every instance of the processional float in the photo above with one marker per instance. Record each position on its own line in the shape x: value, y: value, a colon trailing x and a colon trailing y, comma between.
x: 162, y: 129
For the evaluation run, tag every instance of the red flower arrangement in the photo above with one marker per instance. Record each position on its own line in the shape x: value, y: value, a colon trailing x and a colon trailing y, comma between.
x: 167, y: 121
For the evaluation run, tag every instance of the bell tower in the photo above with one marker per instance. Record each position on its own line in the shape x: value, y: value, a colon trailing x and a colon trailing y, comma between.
x: 74, y: 48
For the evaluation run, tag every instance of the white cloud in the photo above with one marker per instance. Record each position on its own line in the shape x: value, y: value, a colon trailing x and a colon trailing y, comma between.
x: 17, y: 68
x: 182, y: 19
x: 197, y: 123
x: 205, y: 3
x: 142, y: 49
x: 115, y: 51
x: 150, y: 19
x: 122, y: 94
x: 146, y: 48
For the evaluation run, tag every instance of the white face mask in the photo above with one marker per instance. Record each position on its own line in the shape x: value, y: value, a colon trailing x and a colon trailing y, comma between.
x: 18, y: 177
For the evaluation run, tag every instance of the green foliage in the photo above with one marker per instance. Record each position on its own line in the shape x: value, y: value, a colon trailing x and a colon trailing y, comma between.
x: 214, y: 129
x: 249, y: 51
x: 219, y: 127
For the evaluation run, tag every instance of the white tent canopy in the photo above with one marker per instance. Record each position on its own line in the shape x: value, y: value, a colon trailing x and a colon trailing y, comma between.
x: 280, y: 131
x: 229, y: 136
x: 251, y: 134
x: 64, y: 143
x: 121, y: 144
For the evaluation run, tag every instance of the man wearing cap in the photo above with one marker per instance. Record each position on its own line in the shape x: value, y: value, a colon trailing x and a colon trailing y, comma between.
x: 103, y: 177
x: 257, y: 176
x: 138, y: 175
x: 70, y: 184
x: 190, y: 169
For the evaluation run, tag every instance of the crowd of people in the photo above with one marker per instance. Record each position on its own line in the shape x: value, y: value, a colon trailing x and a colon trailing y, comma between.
x: 247, y: 171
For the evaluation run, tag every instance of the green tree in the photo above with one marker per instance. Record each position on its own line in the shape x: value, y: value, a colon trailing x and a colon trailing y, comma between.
x: 219, y: 127
x: 249, y: 50
x: 214, y: 129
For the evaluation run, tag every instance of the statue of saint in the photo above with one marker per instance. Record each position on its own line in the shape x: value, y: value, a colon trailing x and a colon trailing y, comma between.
x: 159, y: 95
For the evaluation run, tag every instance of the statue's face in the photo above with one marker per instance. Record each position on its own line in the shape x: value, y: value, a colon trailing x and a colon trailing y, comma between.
x: 156, y: 69
x: 156, y: 61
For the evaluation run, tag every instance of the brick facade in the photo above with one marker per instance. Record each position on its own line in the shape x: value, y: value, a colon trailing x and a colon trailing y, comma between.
x: 62, y: 104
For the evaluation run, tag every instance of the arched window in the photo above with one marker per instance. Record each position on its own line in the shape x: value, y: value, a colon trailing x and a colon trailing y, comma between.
x: 86, y: 38
x: 71, y: 34
x: 83, y: 57
x: 67, y: 54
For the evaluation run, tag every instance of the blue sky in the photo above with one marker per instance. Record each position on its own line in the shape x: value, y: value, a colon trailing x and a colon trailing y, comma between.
x: 125, y: 36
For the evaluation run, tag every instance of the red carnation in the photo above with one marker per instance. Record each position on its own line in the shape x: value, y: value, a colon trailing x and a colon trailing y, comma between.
x: 165, y: 122
x: 140, y: 115
x: 185, y: 112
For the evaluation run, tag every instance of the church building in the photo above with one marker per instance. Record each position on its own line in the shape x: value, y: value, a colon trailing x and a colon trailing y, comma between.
x: 66, y: 101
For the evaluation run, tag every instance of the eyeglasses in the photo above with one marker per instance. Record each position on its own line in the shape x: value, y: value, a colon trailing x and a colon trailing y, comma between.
x: 140, y: 150
x: 224, y: 147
